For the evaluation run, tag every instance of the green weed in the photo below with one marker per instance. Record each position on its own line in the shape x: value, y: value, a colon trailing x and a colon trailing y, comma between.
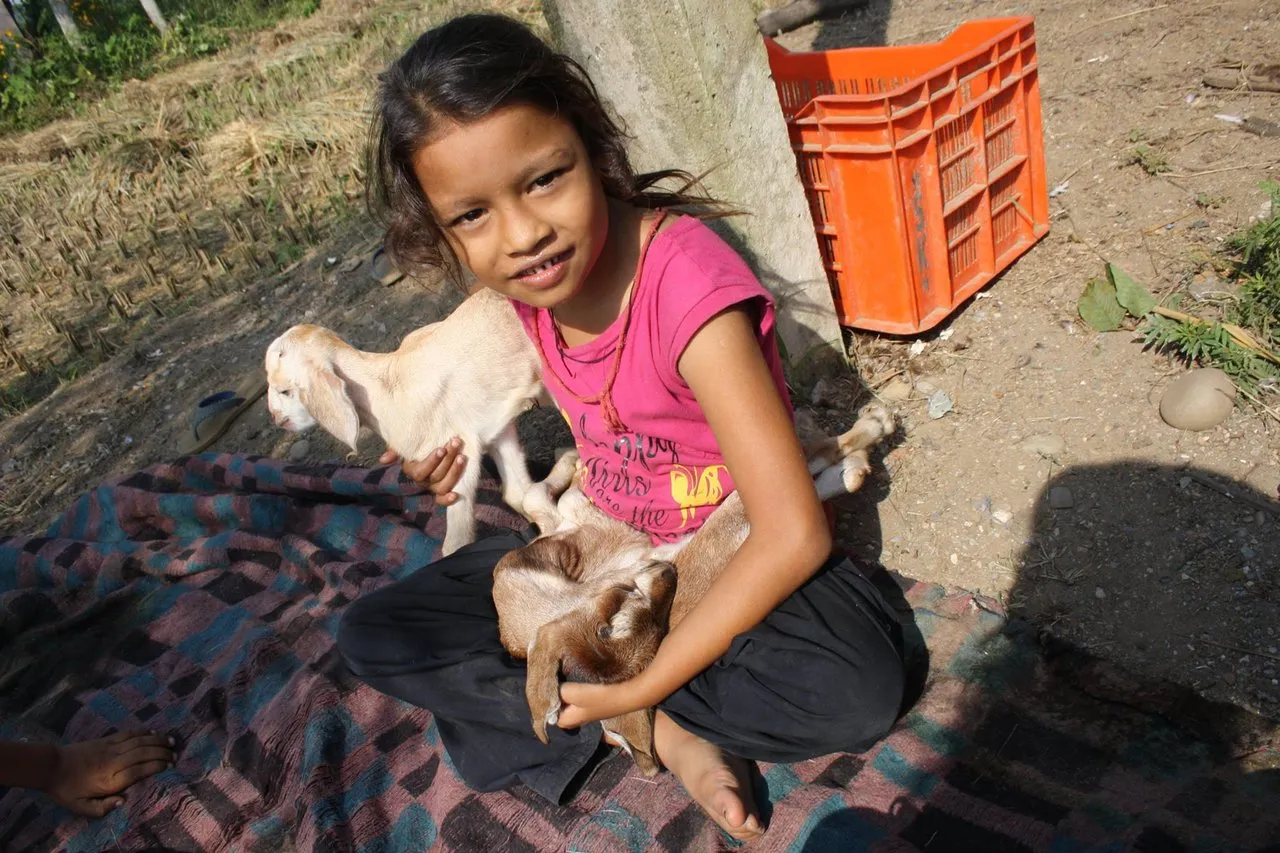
x: 45, y: 77
x: 1149, y: 160
x: 1255, y: 307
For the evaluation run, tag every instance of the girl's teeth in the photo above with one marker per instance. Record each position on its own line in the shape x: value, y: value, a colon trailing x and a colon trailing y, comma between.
x: 541, y: 267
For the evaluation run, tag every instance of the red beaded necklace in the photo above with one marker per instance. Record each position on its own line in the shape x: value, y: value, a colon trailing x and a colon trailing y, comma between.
x: 608, y: 412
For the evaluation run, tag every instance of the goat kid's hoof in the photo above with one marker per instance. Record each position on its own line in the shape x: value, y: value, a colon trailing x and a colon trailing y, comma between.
x: 855, y: 469
x: 881, y: 418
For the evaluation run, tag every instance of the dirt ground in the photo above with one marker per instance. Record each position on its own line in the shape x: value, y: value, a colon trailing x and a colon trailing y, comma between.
x: 1052, y: 485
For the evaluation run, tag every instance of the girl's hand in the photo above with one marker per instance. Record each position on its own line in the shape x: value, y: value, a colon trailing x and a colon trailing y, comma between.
x: 439, y: 472
x: 589, y: 703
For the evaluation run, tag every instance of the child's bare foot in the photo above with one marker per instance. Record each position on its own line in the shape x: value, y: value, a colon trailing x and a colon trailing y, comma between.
x: 88, y: 777
x: 718, y: 783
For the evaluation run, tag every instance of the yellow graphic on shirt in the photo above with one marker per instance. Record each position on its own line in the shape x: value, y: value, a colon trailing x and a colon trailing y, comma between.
x: 695, y: 487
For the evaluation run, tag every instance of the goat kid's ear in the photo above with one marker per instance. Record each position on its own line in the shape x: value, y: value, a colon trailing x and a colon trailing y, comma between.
x: 325, y: 397
x: 542, y: 679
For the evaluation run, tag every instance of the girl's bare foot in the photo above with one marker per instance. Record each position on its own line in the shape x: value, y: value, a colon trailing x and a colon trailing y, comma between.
x: 718, y: 783
x: 90, y: 777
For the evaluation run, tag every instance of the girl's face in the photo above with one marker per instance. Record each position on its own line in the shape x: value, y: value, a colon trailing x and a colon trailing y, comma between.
x: 519, y: 202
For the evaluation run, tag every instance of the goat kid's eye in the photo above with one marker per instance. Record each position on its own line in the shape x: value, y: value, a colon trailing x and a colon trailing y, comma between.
x: 605, y: 631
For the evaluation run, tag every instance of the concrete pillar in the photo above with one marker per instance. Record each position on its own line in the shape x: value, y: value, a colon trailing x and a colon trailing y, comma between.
x: 690, y: 80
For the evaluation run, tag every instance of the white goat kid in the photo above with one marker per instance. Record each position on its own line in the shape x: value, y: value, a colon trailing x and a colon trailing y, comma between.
x: 470, y: 375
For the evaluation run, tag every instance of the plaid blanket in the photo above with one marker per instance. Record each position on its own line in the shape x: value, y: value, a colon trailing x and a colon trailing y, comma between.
x: 201, y: 598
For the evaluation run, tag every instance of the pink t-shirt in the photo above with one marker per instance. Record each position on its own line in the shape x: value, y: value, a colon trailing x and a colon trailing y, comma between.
x: 663, y: 475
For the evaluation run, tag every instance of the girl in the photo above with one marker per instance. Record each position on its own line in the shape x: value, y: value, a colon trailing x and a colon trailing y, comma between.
x: 657, y: 343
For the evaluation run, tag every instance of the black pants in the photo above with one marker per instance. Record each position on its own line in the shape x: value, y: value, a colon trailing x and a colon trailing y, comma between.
x: 823, y: 673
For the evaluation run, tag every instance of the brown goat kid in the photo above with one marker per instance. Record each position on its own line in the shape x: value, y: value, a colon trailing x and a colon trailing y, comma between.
x: 592, y: 598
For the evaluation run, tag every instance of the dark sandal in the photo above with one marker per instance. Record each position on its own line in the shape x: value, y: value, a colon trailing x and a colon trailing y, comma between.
x: 215, y: 414
x: 382, y: 269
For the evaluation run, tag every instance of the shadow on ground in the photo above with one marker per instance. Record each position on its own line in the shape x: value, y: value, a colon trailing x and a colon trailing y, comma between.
x: 1028, y: 740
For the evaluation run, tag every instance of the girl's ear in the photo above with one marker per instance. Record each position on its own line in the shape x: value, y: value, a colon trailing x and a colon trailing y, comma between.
x: 325, y: 397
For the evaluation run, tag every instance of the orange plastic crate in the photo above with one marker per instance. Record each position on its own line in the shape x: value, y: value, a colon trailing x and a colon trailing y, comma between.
x: 923, y: 165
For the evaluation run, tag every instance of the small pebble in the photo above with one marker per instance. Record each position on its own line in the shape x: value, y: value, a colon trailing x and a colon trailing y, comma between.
x: 823, y: 394
x: 1099, y: 593
x: 955, y: 559
x: 299, y: 450
x: 1060, y: 497
x: 895, y: 391
x: 939, y: 404
x: 1002, y: 516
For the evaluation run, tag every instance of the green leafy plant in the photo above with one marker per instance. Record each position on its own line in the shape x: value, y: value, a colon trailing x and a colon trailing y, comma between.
x: 46, y: 77
x: 1149, y: 159
x: 1107, y: 301
x: 1245, y: 344
x: 1213, y: 345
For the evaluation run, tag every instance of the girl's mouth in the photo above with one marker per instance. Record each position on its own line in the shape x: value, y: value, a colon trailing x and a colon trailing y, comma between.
x: 548, y: 273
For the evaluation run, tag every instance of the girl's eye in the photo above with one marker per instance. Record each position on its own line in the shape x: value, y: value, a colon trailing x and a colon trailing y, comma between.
x: 548, y: 179
x: 468, y: 217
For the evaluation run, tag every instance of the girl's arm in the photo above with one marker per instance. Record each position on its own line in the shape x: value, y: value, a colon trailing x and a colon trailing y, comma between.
x: 789, y: 538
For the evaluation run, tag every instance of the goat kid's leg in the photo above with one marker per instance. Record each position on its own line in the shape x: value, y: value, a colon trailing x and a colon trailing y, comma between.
x: 460, y: 516
x: 541, y: 500
x: 512, y: 467
x: 634, y: 733
x: 841, y: 464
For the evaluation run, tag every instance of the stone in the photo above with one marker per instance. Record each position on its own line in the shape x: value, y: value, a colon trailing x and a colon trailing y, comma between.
x: 1099, y: 593
x: 1060, y: 497
x: 895, y: 391
x: 690, y: 80
x: 299, y: 450
x: 1207, y: 286
x: 823, y: 394
x: 939, y: 404
x: 1002, y: 516
x: 1198, y: 400
x: 1044, y: 444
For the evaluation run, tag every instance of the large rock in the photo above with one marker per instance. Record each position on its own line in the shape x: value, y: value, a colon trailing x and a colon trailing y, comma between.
x: 690, y: 80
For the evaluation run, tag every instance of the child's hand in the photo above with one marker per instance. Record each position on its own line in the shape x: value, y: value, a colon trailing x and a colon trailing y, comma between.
x: 439, y: 472
x: 588, y: 703
x: 89, y: 776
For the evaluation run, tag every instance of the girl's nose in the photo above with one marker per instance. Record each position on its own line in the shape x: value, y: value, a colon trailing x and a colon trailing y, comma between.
x: 526, y: 232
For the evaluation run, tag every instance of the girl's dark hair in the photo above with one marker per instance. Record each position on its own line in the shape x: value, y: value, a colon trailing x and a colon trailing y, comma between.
x: 464, y: 70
